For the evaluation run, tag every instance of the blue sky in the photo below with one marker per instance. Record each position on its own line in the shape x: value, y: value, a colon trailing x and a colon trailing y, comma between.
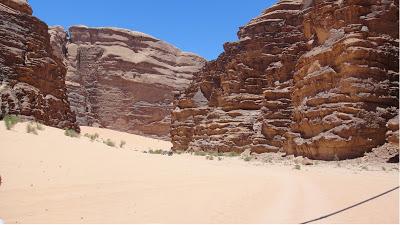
x: 199, y: 26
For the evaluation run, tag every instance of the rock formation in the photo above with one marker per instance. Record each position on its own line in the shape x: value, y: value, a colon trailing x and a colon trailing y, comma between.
x: 32, y: 78
x: 122, y: 79
x: 312, y: 78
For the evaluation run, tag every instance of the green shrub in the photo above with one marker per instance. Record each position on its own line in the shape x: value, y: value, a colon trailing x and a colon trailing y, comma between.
x: 232, y: 154
x: 122, y: 144
x: 71, y: 133
x: 297, y: 167
x: 31, y: 129
x: 39, y: 126
x: 109, y: 142
x: 200, y: 153
x: 92, y: 137
x: 247, y: 158
x: 219, y: 158
x: 158, y: 151
x: 210, y: 157
x: 10, y: 121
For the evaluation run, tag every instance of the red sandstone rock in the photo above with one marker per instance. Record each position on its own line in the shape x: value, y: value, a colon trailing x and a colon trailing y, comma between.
x: 313, y: 78
x: 246, y: 91
x: 121, y: 79
x: 32, y: 78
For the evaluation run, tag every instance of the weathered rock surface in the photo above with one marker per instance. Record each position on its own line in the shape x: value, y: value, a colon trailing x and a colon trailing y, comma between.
x: 32, y: 78
x: 244, y: 96
x: 312, y: 78
x: 392, y: 135
x: 346, y: 86
x: 121, y: 79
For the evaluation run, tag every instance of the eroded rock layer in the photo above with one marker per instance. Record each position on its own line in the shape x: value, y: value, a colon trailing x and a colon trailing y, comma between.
x: 121, y: 79
x: 346, y: 86
x: 32, y: 78
x: 313, y: 78
x: 242, y: 99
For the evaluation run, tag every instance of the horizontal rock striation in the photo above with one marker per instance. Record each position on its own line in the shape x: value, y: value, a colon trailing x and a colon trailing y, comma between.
x: 312, y: 78
x: 242, y: 100
x: 32, y: 79
x: 346, y: 86
x: 121, y: 79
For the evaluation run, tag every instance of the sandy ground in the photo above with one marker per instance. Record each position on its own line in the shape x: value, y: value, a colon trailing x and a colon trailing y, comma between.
x: 52, y: 178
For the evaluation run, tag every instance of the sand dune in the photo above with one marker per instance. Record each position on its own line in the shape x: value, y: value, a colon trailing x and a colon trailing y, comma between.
x: 52, y: 178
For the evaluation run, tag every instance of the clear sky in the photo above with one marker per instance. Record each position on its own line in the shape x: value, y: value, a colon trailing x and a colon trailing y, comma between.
x: 199, y: 26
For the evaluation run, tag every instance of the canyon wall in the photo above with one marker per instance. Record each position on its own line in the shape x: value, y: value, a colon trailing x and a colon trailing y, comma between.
x: 32, y: 79
x: 121, y: 79
x: 312, y: 78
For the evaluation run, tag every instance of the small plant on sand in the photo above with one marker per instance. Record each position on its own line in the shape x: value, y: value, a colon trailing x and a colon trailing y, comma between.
x: 247, y: 158
x: 383, y: 168
x: 31, y: 129
x: 219, y: 158
x: 158, y: 151
x: 210, y: 157
x: 232, y: 154
x: 71, y: 133
x: 122, y: 144
x: 178, y: 152
x: 10, y: 121
x: 200, y: 153
x: 364, y: 167
x: 39, y: 126
x: 92, y: 137
x: 109, y: 142
x: 297, y: 167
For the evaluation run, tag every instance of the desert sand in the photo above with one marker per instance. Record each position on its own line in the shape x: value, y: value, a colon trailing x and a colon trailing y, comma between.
x: 52, y: 178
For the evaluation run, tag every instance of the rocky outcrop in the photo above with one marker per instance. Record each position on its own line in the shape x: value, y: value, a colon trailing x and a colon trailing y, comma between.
x: 242, y: 100
x: 32, y: 78
x: 121, y: 79
x: 346, y: 86
x: 312, y: 78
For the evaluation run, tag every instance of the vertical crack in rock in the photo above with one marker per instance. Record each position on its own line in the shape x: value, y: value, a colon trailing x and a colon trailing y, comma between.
x: 121, y: 79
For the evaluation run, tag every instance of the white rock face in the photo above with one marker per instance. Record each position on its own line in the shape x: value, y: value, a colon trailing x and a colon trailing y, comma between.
x: 122, y: 79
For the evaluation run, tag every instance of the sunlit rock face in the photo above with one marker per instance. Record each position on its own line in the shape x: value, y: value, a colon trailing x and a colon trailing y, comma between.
x: 245, y: 92
x: 313, y: 78
x: 346, y: 85
x: 32, y: 79
x: 121, y: 79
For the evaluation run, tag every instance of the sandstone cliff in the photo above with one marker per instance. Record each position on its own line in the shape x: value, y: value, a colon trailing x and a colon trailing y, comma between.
x: 32, y: 78
x: 121, y: 79
x: 313, y: 78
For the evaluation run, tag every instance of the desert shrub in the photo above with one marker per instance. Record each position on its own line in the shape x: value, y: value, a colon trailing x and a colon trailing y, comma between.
x: 364, y: 167
x: 297, y: 167
x: 210, y: 157
x: 219, y: 158
x: 31, y: 129
x: 232, y: 154
x: 10, y: 121
x: 71, y: 133
x: 247, y: 158
x: 158, y: 151
x: 92, y: 137
x: 109, y: 142
x: 122, y: 144
x: 39, y: 126
x: 200, y: 153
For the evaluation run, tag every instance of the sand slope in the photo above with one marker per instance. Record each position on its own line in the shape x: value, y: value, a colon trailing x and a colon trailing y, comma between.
x: 51, y: 178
